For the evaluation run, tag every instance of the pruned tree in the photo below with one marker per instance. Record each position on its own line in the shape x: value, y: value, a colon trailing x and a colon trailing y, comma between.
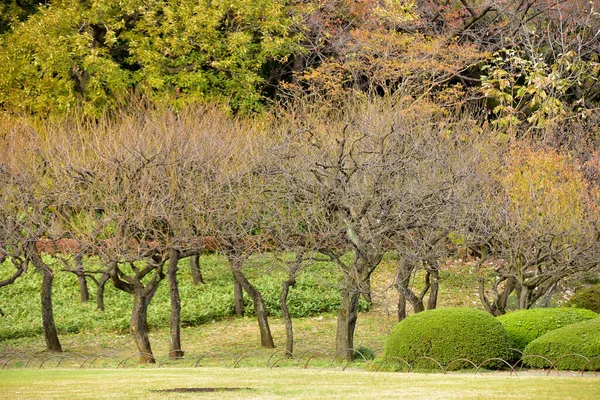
x: 362, y: 183
x: 228, y: 203
x: 543, y: 229
x: 29, y: 199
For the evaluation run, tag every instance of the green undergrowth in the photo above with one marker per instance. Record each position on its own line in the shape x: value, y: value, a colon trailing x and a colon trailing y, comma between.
x: 316, y: 292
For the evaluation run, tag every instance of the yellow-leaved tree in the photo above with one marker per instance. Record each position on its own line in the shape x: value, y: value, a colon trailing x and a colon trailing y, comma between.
x: 541, y: 227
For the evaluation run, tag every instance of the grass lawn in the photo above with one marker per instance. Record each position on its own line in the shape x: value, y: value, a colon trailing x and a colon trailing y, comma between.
x: 284, y: 383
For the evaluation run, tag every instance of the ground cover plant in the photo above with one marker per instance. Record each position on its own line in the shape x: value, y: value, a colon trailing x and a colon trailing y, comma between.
x: 524, y: 326
x: 315, y: 293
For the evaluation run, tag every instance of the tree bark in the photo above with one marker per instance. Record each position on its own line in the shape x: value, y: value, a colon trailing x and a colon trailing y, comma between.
x: 405, y: 293
x: 366, y: 291
x: 402, y: 280
x: 196, y: 272
x: 142, y: 295
x: 434, y: 290
x: 100, y: 294
x: 48, y: 324
x: 238, y: 297
x: 138, y: 326
x: 266, y: 339
x: 346, y: 321
x: 175, y: 323
x: 79, y: 271
x: 287, y: 319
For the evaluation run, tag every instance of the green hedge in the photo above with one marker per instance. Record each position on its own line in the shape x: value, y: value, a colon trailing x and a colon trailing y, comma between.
x: 449, y: 334
x: 524, y: 326
x: 565, y: 346
x: 588, y: 298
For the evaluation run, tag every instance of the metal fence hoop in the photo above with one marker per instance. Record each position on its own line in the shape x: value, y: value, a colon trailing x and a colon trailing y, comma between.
x: 124, y: 361
x: 288, y: 354
x: 385, y: 359
x: 458, y: 360
x: 60, y: 357
x: 552, y: 366
x: 572, y: 355
x: 245, y: 355
x: 211, y: 353
x: 430, y: 359
x: 512, y: 370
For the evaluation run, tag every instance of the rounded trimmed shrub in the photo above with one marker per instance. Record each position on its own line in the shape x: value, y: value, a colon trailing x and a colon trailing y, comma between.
x: 524, y: 326
x: 588, y: 298
x: 448, y: 334
x: 565, y: 346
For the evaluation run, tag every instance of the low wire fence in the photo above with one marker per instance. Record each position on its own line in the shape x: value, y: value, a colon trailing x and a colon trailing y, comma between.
x: 313, y: 358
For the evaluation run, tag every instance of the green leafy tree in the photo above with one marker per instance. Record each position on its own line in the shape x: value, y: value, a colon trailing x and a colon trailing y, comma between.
x: 90, y: 53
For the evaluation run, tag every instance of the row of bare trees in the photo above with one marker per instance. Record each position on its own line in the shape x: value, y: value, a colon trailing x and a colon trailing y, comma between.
x: 143, y: 191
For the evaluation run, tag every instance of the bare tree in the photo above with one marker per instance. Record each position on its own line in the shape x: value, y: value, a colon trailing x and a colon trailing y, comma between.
x: 29, y: 199
x: 228, y: 203
x: 367, y: 180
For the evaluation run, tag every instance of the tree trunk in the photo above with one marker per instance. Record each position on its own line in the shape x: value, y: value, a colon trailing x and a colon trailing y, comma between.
x: 366, y: 291
x: 502, y: 298
x: 139, y: 324
x: 197, y: 277
x: 402, y: 281
x: 401, y: 305
x: 544, y: 300
x: 266, y: 339
x: 101, y: 285
x: 175, y: 323
x: 287, y: 319
x: 48, y: 325
x: 403, y: 275
x: 83, y: 287
x: 238, y: 297
x: 346, y: 321
x: 50, y: 333
x: 433, y: 291
x: 522, y: 296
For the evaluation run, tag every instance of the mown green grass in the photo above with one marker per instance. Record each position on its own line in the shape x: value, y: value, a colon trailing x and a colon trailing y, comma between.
x: 285, y: 383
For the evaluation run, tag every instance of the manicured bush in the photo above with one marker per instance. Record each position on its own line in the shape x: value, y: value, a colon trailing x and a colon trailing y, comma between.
x: 449, y: 334
x: 566, y: 346
x: 588, y: 298
x: 524, y: 326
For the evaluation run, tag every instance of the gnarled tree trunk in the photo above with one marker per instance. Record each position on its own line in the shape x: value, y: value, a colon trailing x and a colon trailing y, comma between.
x: 346, y: 321
x: 196, y: 272
x: 48, y: 325
x: 266, y: 339
x: 79, y: 271
x: 238, y: 297
x: 138, y: 326
x: 142, y: 295
x: 100, y: 293
x: 175, y: 323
